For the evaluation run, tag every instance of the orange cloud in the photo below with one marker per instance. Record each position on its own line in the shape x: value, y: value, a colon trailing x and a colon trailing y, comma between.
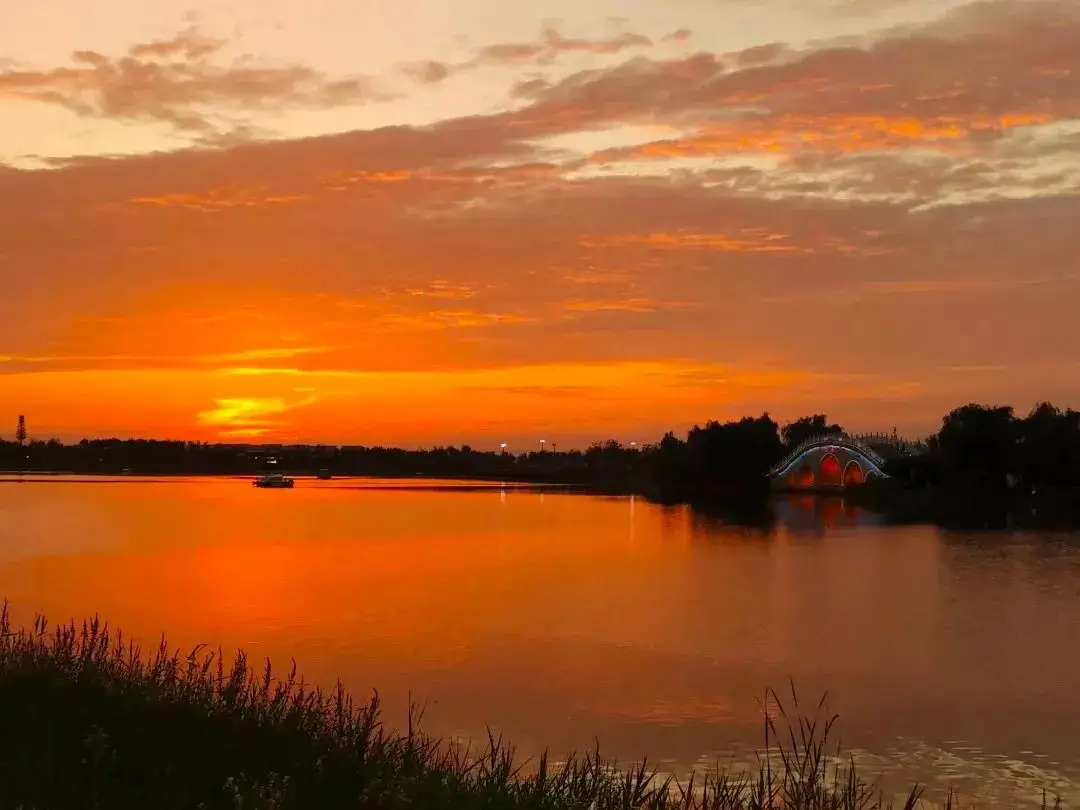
x: 939, y: 82
x: 572, y: 402
x: 659, y: 240
x: 218, y: 199
x: 619, y: 305
x: 250, y: 417
x: 282, y: 352
x: 788, y: 134
x: 439, y: 288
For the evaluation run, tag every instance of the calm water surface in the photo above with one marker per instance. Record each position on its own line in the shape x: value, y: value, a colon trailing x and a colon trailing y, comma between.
x: 560, y: 619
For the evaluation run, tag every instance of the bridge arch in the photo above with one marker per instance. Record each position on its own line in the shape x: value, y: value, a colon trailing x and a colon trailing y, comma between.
x: 829, y: 470
x: 853, y: 474
x: 834, y: 460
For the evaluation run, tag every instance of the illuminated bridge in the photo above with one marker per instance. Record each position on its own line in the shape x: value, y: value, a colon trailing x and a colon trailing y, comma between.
x: 836, y: 460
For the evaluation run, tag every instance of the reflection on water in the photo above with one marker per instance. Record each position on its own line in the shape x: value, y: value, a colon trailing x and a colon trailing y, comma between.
x: 818, y: 515
x: 809, y: 514
x: 561, y: 618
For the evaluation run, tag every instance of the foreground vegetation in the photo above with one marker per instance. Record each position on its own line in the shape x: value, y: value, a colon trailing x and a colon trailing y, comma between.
x: 88, y: 721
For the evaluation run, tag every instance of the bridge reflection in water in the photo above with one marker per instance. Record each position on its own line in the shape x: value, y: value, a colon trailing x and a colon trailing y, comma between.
x: 828, y: 462
x: 813, y: 514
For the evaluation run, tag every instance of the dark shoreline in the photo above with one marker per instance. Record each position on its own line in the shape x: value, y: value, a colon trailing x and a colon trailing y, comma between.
x: 951, y: 506
x: 481, y: 482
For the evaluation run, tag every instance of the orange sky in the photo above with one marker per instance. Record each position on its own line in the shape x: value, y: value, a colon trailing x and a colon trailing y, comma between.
x: 573, y: 221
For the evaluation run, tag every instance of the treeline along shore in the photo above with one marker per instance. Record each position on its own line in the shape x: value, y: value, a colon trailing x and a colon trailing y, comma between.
x: 984, y: 465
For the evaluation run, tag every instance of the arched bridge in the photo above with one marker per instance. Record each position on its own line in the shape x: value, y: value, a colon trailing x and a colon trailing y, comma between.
x: 836, y: 460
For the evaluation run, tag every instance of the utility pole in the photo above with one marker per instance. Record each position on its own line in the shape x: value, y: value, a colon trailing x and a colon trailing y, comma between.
x: 20, y: 437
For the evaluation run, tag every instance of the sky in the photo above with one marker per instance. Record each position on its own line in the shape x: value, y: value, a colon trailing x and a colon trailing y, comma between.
x: 419, y: 222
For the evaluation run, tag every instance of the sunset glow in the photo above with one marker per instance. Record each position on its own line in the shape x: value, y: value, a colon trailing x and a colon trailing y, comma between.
x: 480, y: 222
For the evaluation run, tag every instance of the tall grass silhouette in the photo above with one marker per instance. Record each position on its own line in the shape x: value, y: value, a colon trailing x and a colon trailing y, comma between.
x: 87, y: 720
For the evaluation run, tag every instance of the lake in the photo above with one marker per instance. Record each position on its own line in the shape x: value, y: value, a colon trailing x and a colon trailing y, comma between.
x: 560, y: 619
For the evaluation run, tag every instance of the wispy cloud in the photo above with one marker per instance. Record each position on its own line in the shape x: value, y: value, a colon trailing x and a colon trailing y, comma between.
x: 620, y: 305
x: 276, y: 353
x: 549, y: 47
x: 181, y: 82
x: 240, y: 416
x: 660, y: 240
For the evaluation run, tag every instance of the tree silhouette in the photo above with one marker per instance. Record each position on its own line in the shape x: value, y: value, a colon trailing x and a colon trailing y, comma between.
x: 795, y: 433
x: 979, y: 442
x: 982, y: 452
x: 733, y: 456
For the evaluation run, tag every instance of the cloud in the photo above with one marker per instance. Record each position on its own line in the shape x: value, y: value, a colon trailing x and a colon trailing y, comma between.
x: 551, y: 46
x: 439, y: 288
x: 680, y: 35
x: 958, y: 86
x: 620, y: 305
x: 251, y: 417
x: 278, y: 353
x: 750, y: 242
x: 21, y: 364
x: 865, y: 8
x: 759, y: 54
x: 217, y: 199
x: 179, y: 82
x: 429, y: 71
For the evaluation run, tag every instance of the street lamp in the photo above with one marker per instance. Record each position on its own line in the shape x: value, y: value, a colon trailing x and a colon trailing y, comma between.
x: 542, y: 443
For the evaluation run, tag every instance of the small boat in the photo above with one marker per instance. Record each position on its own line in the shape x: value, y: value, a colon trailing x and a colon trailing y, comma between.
x: 273, y: 481
x: 323, y: 475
